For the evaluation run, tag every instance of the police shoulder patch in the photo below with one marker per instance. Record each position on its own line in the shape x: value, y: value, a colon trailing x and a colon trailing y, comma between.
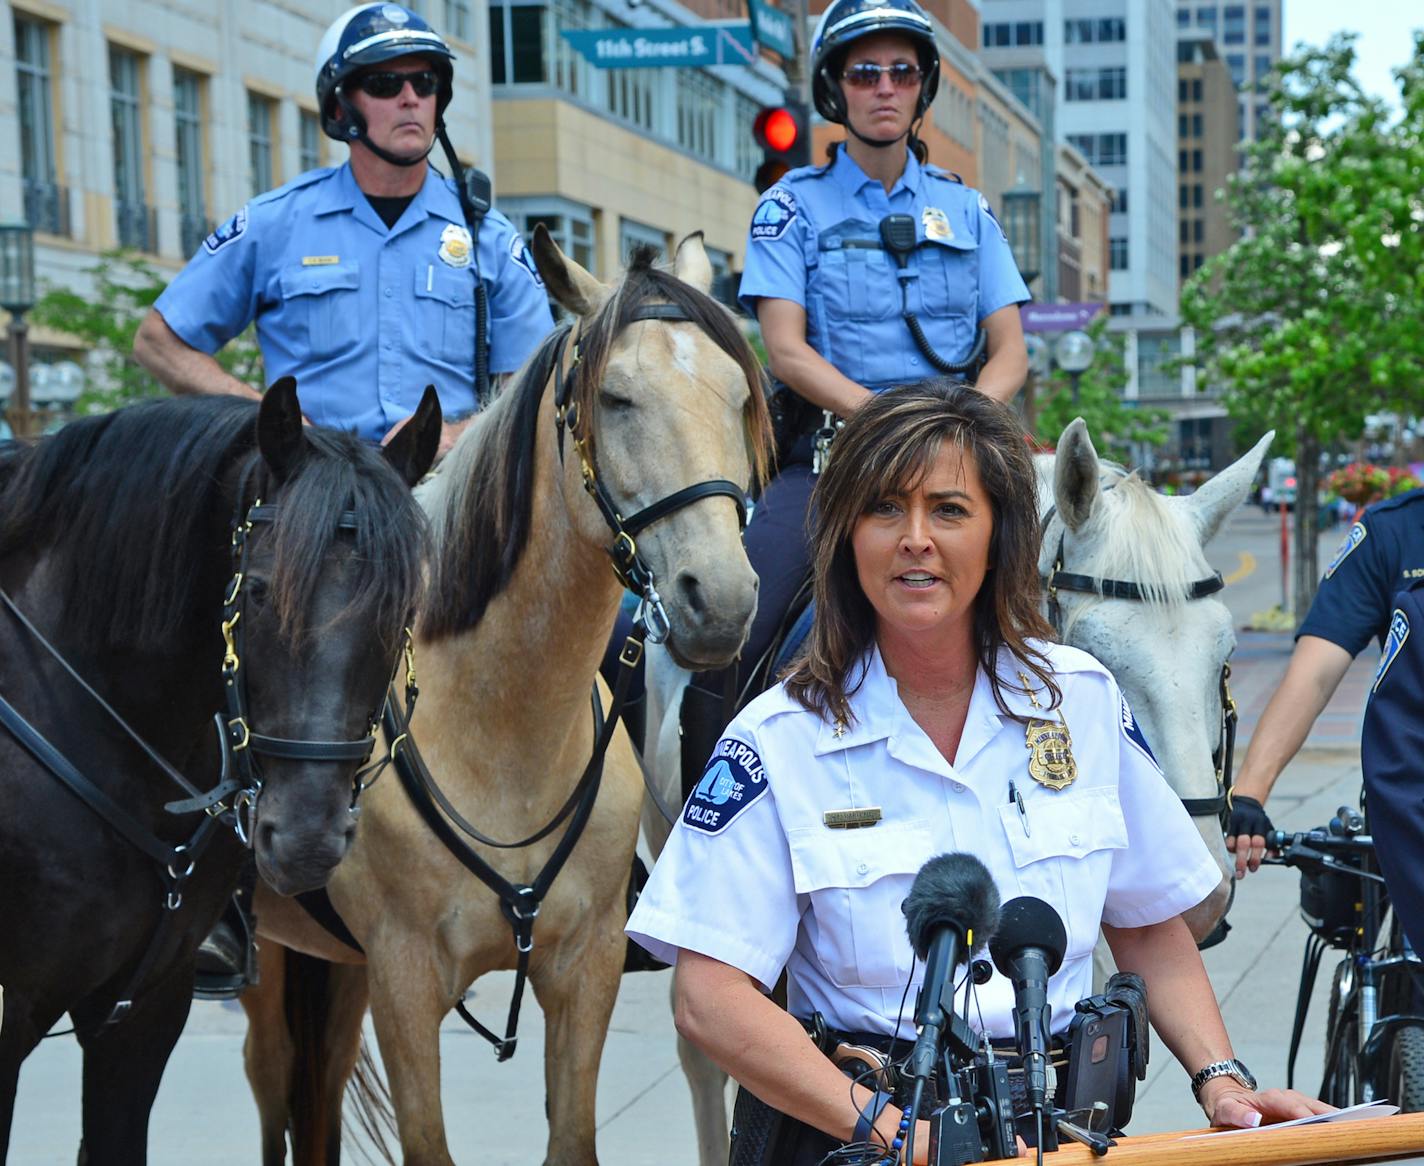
x: 988, y: 210
x: 1398, y: 633
x: 522, y: 256
x: 1134, y: 734
x: 1352, y: 540
x: 732, y: 781
x: 225, y: 234
x: 773, y: 214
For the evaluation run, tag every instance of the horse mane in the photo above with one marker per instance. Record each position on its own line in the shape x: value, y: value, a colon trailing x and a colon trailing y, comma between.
x: 132, y: 509
x: 481, y: 503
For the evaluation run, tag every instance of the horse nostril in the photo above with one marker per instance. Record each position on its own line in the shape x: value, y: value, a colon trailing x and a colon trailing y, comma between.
x: 690, y: 588
x: 262, y: 839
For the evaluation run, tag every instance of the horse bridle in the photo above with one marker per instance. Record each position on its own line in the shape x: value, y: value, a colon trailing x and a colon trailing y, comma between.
x: 1221, y: 758
x: 628, y: 563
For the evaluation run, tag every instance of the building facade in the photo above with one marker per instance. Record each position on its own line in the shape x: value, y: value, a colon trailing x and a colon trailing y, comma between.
x: 1248, y: 36
x: 1206, y: 150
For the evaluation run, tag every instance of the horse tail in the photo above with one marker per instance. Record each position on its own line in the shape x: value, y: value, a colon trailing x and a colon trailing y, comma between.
x: 372, y: 1112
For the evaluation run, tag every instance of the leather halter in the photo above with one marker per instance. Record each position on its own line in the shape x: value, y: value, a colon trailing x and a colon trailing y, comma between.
x: 1060, y: 580
x: 628, y: 563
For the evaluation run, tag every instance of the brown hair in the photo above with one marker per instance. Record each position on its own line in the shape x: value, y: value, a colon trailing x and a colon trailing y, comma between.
x: 887, y: 446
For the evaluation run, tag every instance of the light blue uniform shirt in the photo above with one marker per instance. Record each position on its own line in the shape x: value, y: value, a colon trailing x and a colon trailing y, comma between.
x: 363, y: 316
x: 815, y: 240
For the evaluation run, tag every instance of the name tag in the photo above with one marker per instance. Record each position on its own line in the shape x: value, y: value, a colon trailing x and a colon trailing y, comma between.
x: 320, y: 260
x: 851, y: 819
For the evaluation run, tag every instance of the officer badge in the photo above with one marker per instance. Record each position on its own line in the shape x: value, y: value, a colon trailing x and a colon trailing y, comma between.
x: 1394, y: 642
x: 456, y: 246
x: 1050, y: 747
x: 936, y: 224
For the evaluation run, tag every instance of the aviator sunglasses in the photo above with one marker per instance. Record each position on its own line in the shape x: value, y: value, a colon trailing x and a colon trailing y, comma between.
x: 387, y: 84
x: 866, y: 75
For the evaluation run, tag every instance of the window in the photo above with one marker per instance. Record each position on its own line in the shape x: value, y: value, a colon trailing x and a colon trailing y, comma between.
x: 259, y: 143
x: 1028, y: 32
x: 1233, y: 24
x: 497, y: 45
x: 1184, y: 18
x: 1183, y: 231
x: 1196, y: 195
x: 135, y: 226
x: 1117, y: 254
x: 1184, y: 196
x: 1196, y: 161
x: 1101, y: 149
x: 748, y: 153
x: 570, y: 223
x: 1003, y: 34
x: 1184, y: 266
x: 1237, y: 64
x: 457, y: 19
x: 630, y: 94
x: 1182, y: 90
x: 699, y: 102
x: 1119, y: 202
x: 1095, y: 84
x: 1196, y: 126
x: 1181, y: 125
x: 1261, y: 70
x: 1206, y: 18
x: 188, y: 134
x: 1106, y: 30
x: 46, y: 202
x: 1198, y: 230
x: 630, y: 234
x: 1261, y: 33
x: 1196, y: 89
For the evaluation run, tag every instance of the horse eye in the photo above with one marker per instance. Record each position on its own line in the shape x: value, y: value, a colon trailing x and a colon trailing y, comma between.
x: 614, y: 402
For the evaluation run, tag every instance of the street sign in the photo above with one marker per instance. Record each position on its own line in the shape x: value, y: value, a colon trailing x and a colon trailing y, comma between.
x: 650, y: 48
x: 772, y: 27
x: 1058, y: 317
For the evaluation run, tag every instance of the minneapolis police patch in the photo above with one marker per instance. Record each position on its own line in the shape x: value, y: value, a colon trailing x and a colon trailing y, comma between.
x: 1352, y: 540
x: 773, y: 214
x: 225, y: 234
x: 521, y: 255
x: 1133, y: 732
x: 732, y: 781
x: 1398, y: 633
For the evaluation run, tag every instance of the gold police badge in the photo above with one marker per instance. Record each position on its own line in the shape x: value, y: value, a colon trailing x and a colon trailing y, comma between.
x: 1050, y: 747
x: 455, y: 246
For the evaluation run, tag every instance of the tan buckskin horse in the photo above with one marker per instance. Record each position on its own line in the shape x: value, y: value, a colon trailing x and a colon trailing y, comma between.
x: 665, y: 401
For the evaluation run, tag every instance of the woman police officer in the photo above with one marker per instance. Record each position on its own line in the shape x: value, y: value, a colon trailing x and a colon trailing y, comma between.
x: 927, y: 669
x: 832, y: 300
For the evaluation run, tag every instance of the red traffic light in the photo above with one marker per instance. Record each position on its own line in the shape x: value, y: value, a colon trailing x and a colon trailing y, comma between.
x: 776, y: 129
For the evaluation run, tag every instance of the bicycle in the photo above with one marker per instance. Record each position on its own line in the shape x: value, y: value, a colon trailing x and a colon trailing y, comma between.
x: 1374, y: 1032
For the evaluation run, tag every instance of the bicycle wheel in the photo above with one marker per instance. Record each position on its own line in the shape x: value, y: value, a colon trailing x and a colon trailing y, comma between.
x: 1340, y: 1086
x: 1406, y: 1069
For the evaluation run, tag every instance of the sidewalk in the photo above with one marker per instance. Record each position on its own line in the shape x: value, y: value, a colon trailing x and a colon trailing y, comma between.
x: 495, y: 1113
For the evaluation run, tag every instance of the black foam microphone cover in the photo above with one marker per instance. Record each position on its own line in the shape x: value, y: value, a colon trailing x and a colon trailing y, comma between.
x: 1028, y: 922
x: 951, y: 890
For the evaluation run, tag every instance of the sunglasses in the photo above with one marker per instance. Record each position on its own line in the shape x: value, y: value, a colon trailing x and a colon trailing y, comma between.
x: 867, y: 76
x: 385, y: 85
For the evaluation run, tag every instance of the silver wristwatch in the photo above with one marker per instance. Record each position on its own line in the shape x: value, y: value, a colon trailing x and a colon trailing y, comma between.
x: 1232, y: 1068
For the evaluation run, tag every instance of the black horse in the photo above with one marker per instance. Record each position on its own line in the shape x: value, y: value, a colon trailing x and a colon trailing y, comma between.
x: 136, y: 547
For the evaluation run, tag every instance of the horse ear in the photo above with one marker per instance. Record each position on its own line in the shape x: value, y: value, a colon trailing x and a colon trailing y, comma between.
x: 1219, y: 496
x: 567, y: 282
x: 412, y: 450
x: 1075, y: 475
x: 279, y: 428
x: 692, y: 265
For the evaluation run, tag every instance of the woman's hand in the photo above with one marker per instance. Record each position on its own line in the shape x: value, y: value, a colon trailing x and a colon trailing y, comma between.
x: 1229, y: 1103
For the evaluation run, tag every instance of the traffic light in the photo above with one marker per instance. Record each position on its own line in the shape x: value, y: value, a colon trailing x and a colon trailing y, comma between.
x: 784, y: 134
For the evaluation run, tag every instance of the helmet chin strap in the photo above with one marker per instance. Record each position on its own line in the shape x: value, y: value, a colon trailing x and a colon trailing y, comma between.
x: 355, y: 121
x: 876, y: 143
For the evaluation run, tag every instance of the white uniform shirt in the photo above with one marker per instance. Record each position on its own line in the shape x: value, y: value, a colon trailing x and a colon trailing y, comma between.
x: 752, y: 877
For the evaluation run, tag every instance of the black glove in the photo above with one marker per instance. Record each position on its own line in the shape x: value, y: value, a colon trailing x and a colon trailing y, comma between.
x: 1248, y: 816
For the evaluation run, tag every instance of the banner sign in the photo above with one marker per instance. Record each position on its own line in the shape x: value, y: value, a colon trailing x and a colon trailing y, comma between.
x: 1058, y: 317
x: 645, y: 48
x: 772, y: 27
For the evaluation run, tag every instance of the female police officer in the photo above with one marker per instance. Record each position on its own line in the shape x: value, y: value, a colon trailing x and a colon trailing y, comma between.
x: 926, y: 671
x: 842, y: 313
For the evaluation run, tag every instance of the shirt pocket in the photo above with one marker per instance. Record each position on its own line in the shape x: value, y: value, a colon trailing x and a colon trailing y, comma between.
x: 855, y: 881
x: 325, y: 301
x: 445, y: 313
x: 949, y: 280
x: 855, y: 277
x: 1066, y: 856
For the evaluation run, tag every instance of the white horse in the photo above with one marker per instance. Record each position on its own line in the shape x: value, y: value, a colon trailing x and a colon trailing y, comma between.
x: 1167, y: 650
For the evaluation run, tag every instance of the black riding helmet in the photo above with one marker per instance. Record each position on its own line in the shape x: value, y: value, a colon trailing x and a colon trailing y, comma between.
x: 845, y: 22
x: 365, y: 36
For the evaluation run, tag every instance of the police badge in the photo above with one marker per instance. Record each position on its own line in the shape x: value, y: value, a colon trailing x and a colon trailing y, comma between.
x: 1050, y: 748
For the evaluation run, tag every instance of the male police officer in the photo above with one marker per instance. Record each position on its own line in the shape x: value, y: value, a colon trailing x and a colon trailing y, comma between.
x: 362, y: 278
x: 1383, y: 553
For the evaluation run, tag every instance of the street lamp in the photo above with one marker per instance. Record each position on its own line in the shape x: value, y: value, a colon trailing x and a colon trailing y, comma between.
x: 17, y: 296
x: 1074, y: 353
x: 1023, y: 226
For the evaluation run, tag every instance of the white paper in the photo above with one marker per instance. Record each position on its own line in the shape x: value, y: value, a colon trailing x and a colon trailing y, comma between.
x: 1362, y: 1112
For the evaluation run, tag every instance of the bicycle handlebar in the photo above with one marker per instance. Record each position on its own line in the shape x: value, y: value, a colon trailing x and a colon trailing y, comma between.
x: 1325, y: 847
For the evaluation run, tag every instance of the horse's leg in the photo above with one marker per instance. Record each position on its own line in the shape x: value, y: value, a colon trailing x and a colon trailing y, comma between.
x: 268, y: 1052
x: 18, y: 1038
x: 123, y: 1065
x: 346, y: 1009
x: 708, y: 1085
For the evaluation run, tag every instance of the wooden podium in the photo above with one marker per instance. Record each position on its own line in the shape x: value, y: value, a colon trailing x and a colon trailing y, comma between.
x: 1381, y: 1139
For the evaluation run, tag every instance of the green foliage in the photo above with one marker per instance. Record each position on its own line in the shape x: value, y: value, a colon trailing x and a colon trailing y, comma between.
x: 1116, y: 425
x: 125, y: 288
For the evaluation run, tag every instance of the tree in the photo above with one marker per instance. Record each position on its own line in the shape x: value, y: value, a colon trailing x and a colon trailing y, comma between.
x: 1314, y: 317
x: 125, y: 288
x: 1116, y: 425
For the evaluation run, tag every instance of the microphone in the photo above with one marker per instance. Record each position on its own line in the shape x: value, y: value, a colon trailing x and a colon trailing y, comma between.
x: 952, y: 897
x: 1028, y: 949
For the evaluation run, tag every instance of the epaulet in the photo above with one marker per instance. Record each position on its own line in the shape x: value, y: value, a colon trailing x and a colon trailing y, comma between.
x: 1408, y: 498
x: 801, y: 173
x: 1066, y: 658
x: 295, y: 184
x: 946, y: 175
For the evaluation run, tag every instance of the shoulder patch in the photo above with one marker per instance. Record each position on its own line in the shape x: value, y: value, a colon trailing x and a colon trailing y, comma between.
x: 1352, y: 540
x: 732, y: 781
x: 988, y: 210
x: 1134, y: 734
x: 773, y: 214
x: 225, y: 234
x: 522, y: 256
x: 1398, y: 633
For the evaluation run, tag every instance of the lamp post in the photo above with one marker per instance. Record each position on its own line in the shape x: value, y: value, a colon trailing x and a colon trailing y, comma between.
x: 17, y: 296
x: 1023, y: 226
x: 1074, y: 353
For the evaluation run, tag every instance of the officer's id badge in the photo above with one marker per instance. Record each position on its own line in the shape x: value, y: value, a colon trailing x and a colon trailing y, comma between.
x: 1398, y: 633
x: 988, y: 210
x: 1134, y: 734
x: 225, y: 234
x: 773, y: 214
x: 936, y: 223
x: 1050, y: 747
x: 732, y: 781
x: 1352, y: 540
x: 456, y: 246
x: 521, y: 255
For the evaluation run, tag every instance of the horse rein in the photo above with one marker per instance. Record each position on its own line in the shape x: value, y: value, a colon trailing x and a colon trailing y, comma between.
x: 1221, y: 757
